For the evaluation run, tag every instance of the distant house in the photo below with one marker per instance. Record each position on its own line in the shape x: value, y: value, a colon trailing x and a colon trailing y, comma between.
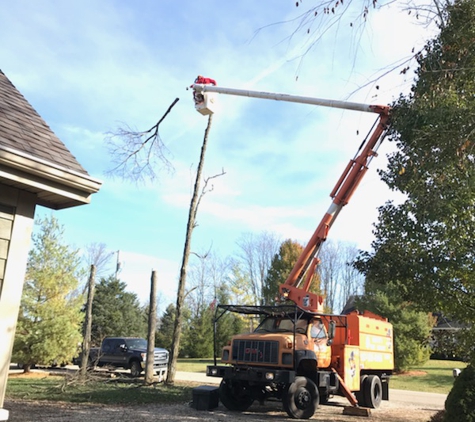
x: 445, y: 338
x: 35, y: 169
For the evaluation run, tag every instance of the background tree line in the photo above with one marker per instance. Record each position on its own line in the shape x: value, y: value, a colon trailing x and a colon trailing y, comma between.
x: 52, y: 310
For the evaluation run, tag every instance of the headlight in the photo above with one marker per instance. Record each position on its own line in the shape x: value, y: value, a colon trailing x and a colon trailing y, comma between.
x: 269, y: 376
x: 212, y: 371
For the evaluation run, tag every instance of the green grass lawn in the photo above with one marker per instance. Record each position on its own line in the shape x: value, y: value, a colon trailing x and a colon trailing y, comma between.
x: 433, y: 377
x: 106, y: 391
x: 194, y: 365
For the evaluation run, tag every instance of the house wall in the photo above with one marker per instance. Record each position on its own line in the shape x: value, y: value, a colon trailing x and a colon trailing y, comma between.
x: 17, y: 210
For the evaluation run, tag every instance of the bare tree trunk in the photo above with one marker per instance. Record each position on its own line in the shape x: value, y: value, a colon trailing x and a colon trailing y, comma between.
x: 86, y: 343
x: 152, y: 325
x: 186, y: 254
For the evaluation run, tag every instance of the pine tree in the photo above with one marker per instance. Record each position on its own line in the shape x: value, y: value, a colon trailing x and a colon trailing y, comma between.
x: 116, y: 312
x: 49, y: 323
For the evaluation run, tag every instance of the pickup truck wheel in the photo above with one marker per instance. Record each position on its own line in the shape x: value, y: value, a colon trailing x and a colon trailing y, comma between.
x: 373, y: 391
x: 300, y: 399
x: 235, y: 395
x: 135, y: 369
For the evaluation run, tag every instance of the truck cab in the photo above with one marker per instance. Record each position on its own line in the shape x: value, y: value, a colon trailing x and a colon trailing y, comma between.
x: 303, y: 358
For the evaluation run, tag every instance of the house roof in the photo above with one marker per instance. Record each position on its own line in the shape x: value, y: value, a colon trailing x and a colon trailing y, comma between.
x: 34, y: 159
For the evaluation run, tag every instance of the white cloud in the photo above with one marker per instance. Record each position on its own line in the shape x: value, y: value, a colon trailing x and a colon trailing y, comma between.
x: 136, y: 271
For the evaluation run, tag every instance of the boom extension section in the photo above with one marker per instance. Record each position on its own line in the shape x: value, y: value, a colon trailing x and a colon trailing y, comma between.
x: 297, y: 285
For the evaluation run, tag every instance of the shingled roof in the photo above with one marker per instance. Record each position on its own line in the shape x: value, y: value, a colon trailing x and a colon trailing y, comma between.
x: 33, y: 158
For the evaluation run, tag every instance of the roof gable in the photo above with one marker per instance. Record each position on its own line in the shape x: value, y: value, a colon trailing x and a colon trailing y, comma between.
x: 34, y: 159
x: 23, y: 129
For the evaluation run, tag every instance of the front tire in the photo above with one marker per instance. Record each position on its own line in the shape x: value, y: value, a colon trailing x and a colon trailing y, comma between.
x: 135, y: 369
x: 235, y: 396
x: 301, y: 398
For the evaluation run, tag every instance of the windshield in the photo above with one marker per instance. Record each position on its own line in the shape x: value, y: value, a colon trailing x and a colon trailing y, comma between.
x: 279, y: 325
x: 136, y: 343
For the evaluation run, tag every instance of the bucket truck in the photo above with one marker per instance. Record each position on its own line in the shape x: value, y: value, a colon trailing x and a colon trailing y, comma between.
x: 299, y: 354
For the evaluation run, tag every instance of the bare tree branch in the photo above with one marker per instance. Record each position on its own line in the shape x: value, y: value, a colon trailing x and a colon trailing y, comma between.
x: 205, y: 190
x: 138, y: 155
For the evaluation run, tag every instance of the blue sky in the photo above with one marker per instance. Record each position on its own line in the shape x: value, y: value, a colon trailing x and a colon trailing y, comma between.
x: 89, y: 66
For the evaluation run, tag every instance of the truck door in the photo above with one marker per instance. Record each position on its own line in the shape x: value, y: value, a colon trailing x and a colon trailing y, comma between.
x: 113, y: 351
x: 319, y: 336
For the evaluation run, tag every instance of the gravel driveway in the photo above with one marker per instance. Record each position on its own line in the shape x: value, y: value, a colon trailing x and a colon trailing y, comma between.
x: 27, y: 411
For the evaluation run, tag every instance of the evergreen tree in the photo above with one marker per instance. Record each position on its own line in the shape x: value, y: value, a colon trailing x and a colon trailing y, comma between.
x: 199, y: 338
x: 229, y: 324
x: 116, y: 312
x: 424, y: 246
x: 164, y: 334
x: 49, y: 322
x: 412, y: 328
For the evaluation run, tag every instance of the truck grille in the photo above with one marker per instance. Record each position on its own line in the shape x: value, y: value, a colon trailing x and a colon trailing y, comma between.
x: 258, y: 351
x: 160, y: 358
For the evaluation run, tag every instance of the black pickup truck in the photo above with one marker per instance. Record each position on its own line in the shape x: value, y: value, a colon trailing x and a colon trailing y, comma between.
x: 129, y: 353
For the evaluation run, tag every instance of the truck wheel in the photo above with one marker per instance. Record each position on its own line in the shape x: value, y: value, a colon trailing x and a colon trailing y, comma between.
x: 135, y: 369
x: 373, y: 391
x: 235, y: 395
x: 300, y: 399
x: 360, y: 394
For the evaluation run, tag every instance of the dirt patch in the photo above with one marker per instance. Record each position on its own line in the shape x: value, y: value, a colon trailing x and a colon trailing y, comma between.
x: 33, y: 411
x: 412, y: 373
x: 29, y: 375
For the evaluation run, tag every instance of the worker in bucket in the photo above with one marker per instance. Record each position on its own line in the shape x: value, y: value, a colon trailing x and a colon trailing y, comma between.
x: 198, y: 96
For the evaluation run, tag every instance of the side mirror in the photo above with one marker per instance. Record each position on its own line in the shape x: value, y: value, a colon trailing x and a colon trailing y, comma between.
x: 331, y: 330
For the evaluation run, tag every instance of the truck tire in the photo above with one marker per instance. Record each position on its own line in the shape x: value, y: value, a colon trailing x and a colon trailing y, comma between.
x: 235, y: 395
x: 360, y: 394
x: 372, y: 391
x: 135, y: 369
x: 300, y: 399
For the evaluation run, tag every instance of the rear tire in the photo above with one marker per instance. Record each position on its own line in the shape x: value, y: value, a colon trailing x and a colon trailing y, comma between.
x: 235, y: 395
x: 360, y: 394
x: 301, y: 398
x: 373, y: 391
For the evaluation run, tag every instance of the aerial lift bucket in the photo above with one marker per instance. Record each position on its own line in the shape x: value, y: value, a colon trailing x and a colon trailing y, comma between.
x: 205, y: 102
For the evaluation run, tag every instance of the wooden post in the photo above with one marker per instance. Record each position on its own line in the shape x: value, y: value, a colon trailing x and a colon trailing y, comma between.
x: 86, y: 343
x: 152, y: 326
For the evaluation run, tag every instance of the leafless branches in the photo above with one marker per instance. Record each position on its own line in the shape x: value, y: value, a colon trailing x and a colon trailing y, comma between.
x: 139, y: 155
x: 207, y: 189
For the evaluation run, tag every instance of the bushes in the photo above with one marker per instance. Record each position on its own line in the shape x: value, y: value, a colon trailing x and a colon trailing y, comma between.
x: 460, y: 403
